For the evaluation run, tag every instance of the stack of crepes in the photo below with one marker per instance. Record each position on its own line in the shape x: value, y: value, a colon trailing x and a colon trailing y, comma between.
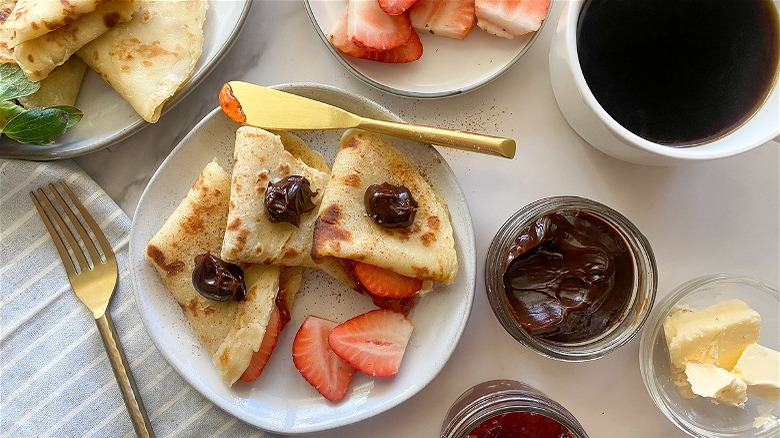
x: 144, y: 49
x: 226, y: 214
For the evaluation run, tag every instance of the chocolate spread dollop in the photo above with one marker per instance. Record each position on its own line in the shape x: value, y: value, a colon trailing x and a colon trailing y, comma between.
x: 288, y: 199
x: 217, y: 279
x: 390, y: 206
x: 569, y: 277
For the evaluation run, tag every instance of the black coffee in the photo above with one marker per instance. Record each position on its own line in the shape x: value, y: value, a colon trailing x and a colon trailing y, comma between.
x: 679, y: 72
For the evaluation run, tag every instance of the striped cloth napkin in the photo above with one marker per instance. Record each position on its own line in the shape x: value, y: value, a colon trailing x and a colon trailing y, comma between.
x: 55, y: 376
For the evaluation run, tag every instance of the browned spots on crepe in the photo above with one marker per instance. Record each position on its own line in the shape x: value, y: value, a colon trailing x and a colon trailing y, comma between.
x: 352, y: 180
x: 434, y: 223
x: 235, y: 224
x: 241, y: 240
x: 172, y: 268
x: 284, y: 169
x: 421, y: 271
x: 428, y: 239
x: 290, y: 253
x: 112, y: 19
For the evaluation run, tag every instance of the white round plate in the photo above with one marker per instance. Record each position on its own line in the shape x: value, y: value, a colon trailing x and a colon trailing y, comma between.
x: 108, y: 118
x: 447, y: 67
x: 280, y: 400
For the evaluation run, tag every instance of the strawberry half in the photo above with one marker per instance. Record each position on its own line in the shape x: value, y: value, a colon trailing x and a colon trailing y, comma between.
x: 373, y: 342
x: 450, y: 18
x: 395, y: 7
x: 410, y: 51
x: 321, y: 367
x: 386, y: 283
x: 370, y: 27
x: 261, y: 356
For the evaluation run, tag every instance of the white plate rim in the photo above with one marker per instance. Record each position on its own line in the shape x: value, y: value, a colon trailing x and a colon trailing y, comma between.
x: 344, y: 61
x: 12, y: 149
x: 468, y: 264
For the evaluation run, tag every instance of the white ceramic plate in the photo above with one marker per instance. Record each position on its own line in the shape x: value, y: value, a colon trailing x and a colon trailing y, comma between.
x: 281, y: 400
x: 108, y: 118
x: 447, y: 67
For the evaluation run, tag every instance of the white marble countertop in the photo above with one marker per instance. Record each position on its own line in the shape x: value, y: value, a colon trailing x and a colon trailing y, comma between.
x: 718, y: 216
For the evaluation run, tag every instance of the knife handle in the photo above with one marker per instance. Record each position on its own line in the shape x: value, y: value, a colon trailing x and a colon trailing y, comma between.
x: 486, y: 144
x: 124, y: 376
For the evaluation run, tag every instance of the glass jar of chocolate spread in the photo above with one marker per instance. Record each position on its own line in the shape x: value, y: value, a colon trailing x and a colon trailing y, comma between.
x: 508, y: 408
x: 570, y: 278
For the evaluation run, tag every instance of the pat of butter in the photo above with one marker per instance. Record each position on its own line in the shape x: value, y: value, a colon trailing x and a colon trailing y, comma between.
x: 759, y: 368
x: 715, y: 335
x: 708, y: 380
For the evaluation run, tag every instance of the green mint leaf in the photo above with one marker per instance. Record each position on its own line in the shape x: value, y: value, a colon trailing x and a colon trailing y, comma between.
x: 38, y: 126
x: 8, y: 110
x: 13, y: 82
x: 74, y: 114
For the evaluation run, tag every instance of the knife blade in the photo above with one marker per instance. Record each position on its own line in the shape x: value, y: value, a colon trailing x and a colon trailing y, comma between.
x: 268, y: 108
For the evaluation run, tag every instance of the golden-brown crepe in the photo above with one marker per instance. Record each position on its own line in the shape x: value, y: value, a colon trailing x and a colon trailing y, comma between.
x: 6, y: 53
x: 61, y: 86
x: 39, y: 56
x: 424, y: 250
x: 230, y: 331
x: 147, y: 59
x: 33, y: 18
x: 260, y: 157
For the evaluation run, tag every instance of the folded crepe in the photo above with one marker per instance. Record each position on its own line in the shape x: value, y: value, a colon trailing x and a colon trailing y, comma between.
x: 61, y: 86
x: 260, y: 157
x: 424, y: 250
x: 147, y: 59
x: 33, y: 18
x: 6, y: 53
x: 230, y: 331
x: 39, y: 56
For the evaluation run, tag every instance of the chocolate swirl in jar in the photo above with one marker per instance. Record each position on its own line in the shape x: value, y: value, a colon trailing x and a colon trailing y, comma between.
x: 288, y: 199
x: 569, y: 277
x: 217, y: 279
x: 390, y: 206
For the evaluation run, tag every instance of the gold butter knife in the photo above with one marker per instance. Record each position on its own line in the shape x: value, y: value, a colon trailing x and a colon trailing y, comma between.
x: 268, y: 108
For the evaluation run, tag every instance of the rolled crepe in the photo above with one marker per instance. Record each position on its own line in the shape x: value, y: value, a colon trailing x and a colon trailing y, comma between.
x: 39, y: 56
x: 33, y: 18
x: 230, y: 331
x: 61, y: 86
x: 424, y: 250
x: 259, y: 158
x: 147, y: 59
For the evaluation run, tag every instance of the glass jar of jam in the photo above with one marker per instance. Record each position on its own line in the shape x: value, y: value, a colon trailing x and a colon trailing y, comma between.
x: 570, y: 278
x: 508, y: 408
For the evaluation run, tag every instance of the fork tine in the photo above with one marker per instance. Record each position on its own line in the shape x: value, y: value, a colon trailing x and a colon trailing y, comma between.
x: 70, y: 269
x: 101, y: 237
x: 81, y: 258
x: 85, y: 237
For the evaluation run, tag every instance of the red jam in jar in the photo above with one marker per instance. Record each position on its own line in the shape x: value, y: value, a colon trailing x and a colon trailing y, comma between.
x: 520, y: 425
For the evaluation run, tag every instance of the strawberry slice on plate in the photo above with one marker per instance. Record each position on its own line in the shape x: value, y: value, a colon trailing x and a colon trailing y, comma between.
x: 410, y: 51
x: 373, y: 342
x: 450, y: 18
x: 317, y: 363
x: 511, y: 18
x: 386, y: 283
x: 370, y: 27
x: 395, y: 7
x: 267, y: 345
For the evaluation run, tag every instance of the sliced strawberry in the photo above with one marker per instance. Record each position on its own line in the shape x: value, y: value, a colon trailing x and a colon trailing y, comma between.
x: 410, y: 51
x: 511, y: 18
x: 320, y: 366
x: 395, y: 7
x: 386, y: 283
x: 450, y: 18
x: 261, y: 356
x: 373, y: 342
x: 370, y: 27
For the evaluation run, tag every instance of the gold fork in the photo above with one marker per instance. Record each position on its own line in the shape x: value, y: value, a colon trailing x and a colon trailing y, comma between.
x: 93, y: 278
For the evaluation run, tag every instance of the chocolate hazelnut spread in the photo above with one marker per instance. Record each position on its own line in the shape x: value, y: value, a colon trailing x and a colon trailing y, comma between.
x: 390, y: 206
x: 569, y: 277
x: 288, y: 199
x: 217, y: 279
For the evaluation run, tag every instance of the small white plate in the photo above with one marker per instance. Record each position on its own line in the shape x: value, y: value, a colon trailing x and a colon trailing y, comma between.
x: 447, y: 67
x: 281, y: 400
x: 108, y: 118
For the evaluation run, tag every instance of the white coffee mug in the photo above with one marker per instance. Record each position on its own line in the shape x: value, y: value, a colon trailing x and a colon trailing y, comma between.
x: 597, y: 127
